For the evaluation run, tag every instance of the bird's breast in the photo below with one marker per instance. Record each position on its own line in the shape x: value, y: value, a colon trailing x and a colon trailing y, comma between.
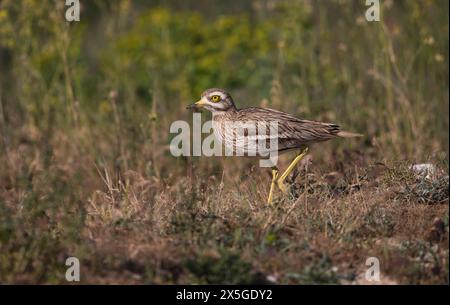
x: 245, y: 138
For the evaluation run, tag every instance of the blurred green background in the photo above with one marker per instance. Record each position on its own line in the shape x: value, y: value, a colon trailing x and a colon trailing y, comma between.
x: 317, y: 59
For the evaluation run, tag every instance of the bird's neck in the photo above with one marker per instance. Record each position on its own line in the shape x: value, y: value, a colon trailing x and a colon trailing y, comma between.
x: 221, y: 114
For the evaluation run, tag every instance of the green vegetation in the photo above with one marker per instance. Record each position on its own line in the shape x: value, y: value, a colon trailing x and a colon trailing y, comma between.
x: 85, y: 170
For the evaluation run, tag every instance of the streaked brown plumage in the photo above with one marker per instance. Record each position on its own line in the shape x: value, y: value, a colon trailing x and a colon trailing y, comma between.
x: 293, y: 133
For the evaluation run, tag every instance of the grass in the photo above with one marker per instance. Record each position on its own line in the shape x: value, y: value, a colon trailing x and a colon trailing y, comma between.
x: 138, y: 230
x: 85, y: 168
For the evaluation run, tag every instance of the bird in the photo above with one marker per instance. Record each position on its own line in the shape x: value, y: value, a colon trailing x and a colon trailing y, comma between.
x: 293, y: 133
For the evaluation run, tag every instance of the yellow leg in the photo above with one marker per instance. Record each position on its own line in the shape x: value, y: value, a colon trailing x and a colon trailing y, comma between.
x: 289, y: 170
x: 272, y: 185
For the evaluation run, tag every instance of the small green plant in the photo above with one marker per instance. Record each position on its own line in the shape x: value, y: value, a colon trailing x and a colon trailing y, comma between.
x: 221, y: 266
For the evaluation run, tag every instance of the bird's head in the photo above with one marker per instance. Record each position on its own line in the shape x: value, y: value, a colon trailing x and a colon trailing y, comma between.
x: 214, y: 100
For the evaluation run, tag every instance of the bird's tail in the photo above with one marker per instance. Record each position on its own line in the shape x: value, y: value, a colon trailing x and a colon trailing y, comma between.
x: 346, y: 134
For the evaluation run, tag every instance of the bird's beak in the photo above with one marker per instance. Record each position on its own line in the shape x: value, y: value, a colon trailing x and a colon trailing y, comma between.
x: 197, y: 105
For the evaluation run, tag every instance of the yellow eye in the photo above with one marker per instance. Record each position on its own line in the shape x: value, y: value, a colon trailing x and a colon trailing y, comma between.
x: 215, y: 98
